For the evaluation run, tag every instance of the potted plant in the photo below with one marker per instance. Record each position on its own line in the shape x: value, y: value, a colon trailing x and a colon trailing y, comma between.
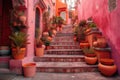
x: 46, y: 21
x: 107, y: 70
x: 58, y: 21
x: 39, y: 49
x: 29, y: 69
x: 47, y: 44
x: 18, y: 20
x: 91, y: 26
x: 91, y: 33
x: 90, y: 56
x: 46, y: 41
x: 19, y: 42
x: 81, y: 30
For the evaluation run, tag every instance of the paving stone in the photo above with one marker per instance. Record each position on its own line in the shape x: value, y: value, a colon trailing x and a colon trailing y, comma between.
x: 60, y: 58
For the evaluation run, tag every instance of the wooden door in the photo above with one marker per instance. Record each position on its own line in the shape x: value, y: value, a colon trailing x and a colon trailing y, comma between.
x: 0, y: 20
x: 5, y: 7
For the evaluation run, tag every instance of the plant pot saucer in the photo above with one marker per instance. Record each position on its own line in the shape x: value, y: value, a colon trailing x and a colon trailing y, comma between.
x: 94, y: 32
x: 102, y: 49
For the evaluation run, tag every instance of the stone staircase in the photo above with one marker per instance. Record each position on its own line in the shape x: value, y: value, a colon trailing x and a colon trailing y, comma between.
x: 64, y: 55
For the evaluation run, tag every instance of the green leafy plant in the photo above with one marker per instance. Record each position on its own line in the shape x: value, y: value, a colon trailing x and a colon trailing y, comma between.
x: 46, y: 20
x: 88, y: 50
x: 19, y: 39
x: 57, y: 20
x: 38, y: 40
x: 45, y: 41
x: 92, y: 25
x: 82, y: 23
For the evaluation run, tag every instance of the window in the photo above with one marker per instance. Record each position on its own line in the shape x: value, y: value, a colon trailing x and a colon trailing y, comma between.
x: 112, y: 5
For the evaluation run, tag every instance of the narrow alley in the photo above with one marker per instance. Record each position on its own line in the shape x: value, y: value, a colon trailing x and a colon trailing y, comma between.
x: 59, y: 40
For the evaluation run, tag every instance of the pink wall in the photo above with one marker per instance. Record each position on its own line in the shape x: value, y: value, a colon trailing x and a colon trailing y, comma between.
x: 31, y: 8
x: 107, y: 21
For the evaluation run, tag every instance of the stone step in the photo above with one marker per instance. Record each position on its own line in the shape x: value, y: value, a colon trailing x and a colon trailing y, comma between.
x: 65, y: 67
x: 4, y: 70
x: 64, y: 34
x: 64, y: 43
x: 64, y: 47
x: 4, y: 61
x: 59, y: 58
x: 65, y: 51
x: 66, y: 37
x: 63, y: 40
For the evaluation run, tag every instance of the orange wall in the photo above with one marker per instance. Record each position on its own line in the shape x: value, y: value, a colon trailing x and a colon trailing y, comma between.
x: 61, y: 7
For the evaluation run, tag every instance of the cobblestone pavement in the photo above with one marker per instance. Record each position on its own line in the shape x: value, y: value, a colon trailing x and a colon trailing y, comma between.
x: 60, y: 76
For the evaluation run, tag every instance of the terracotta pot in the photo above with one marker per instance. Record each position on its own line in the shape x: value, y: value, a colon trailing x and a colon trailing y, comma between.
x: 22, y: 19
x: 49, y: 38
x: 88, y: 30
x: 45, y: 34
x: 107, y: 70
x: 107, y: 61
x: 54, y: 31
x: 102, y: 53
x: 84, y: 44
x: 39, y: 51
x: 18, y: 54
x: 90, y: 55
x: 90, y: 60
x: 101, y: 42
x: 29, y: 69
x: 58, y: 28
x: 47, y: 47
x: 95, y: 44
x: 75, y: 38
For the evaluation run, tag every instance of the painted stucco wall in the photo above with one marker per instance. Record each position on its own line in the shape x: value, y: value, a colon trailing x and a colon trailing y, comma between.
x: 31, y: 8
x: 52, y: 7
x: 108, y: 22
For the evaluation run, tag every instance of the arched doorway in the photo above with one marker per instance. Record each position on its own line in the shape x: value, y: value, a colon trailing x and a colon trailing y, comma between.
x: 37, y: 21
x: 5, y: 7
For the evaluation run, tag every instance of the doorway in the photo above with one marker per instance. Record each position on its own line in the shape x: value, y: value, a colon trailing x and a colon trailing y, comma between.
x: 37, y: 21
x: 5, y: 31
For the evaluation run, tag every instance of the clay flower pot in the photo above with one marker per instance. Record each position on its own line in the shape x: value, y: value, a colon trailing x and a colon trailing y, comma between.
x: 107, y: 70
x: 45, y: 34
x: 102, y: 43
x: 39, y: 51
x: 18, y: 54
x: 90, y: 55
x: 29, y: 69
x: 54, y: 31
x: 84, y: 44
x: 102, y: 53
x: 90, y: 60
x: 75, y: 38
x: 22, y: 19
x: 107, y: 61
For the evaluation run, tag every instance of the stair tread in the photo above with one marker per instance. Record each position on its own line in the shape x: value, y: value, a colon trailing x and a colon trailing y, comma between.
x: 63, y: 56
x: 64, y: 50
x: 64, y: 45
x: 63, y: 64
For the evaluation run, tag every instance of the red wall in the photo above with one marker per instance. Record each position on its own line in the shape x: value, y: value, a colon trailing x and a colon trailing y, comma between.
x: 108, y: 22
